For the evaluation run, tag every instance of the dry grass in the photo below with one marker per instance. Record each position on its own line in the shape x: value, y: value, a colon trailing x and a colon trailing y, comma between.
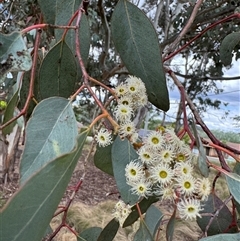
x: 82, y: 216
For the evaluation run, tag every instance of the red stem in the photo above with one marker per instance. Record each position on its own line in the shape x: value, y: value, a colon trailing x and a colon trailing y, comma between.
x: 235, y: 15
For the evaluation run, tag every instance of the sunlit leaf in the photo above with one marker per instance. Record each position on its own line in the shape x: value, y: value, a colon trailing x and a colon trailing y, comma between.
x: 28, y: 213
x: 137, y: 43
x: 50, y: 132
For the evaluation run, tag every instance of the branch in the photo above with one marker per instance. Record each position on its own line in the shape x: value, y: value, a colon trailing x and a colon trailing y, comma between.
x: 191, y: 76
x: 157, y: 15
x: 235, y: 15
x: 187, y: 26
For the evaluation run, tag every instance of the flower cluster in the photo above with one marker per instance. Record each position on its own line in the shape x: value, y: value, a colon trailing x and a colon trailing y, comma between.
x: 164, y: 168
x: 121, y: 211
x: 131, y: 95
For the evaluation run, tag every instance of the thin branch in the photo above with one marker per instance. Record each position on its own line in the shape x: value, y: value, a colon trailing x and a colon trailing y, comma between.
x: 157, y: 15
x: 235, y: 15
x: 187, y: 26
x: 195, y: 77
x: 213, y: 216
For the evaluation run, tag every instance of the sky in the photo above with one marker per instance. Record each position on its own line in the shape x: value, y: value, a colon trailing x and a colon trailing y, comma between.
x: 231, y: 95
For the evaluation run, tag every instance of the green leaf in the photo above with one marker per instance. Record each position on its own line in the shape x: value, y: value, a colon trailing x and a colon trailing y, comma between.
x: 59, y: 12
x: 227, y: 46
x: 152, y: 219
x: 64, y: 10
x: 122, y: 154
x: 171, y: 226
x: 202, y: 164
x: 221, y: 222
x: 28, y: 213
x: 58, y: 72
x: 9, y: 113
x: 84, y: 35
x: 233, y: 182
x: 14, y: 55
x: 109, y: 232
x: 103, y: 159
x: 143, y: 233
x: 223, y: 237
x: 90, y: 234
x: 50, y: 132
x: 143, y: 205
x: 137, y: 43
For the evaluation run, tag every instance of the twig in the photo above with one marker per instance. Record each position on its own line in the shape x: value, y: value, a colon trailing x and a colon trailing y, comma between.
x: 186, y: 27
x: 216, y: 214
x: 235, y: 15
x: 86, y: 77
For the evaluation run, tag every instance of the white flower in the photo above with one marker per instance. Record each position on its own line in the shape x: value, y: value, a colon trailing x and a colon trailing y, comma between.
x: 189, y: 209
x: 134, y: 172
x: 166, y: 155
x: 121, y: 89
x: 183, y: 168
x: 121, y: 212
x: 154, y: 140
x: 141, y: 100
x: 103, y: 137
x: 146, y: 155
x: 142, y: 188
x: 135, y: 85
x: 171, y: 137
x: 203, y: 188
x: 125, y: 100
x: 186, y: 185
x: 161, y: 174
x: 123, y: 113
x: 127, y: 129
x: 166, y: 192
